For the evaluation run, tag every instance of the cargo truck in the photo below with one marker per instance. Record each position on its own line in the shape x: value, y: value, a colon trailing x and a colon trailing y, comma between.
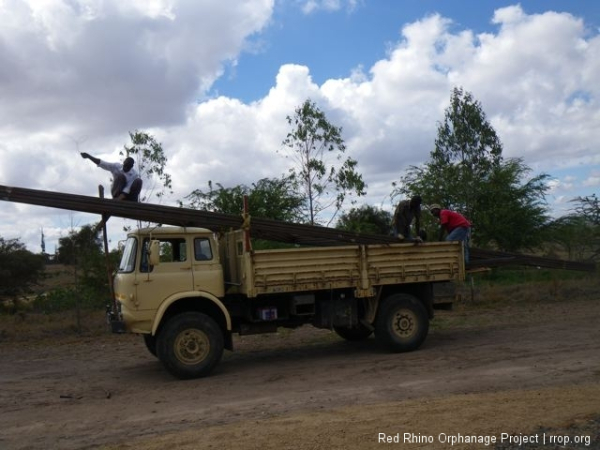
x: 187, y: 291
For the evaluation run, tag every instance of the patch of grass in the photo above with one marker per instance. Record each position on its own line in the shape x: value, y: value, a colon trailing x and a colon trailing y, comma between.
x: 485, y: 304
x: 528, y: 285
x: 57, y: 309
x: 511, y: 276
x: 56, y: 276
x: 60, y: 290
x: 33, y: 327
x: 67, y: 299
x: 445, y: 320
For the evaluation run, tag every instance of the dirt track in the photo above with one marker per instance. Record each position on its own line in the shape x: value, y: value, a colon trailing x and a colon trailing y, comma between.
x: 525, y: 369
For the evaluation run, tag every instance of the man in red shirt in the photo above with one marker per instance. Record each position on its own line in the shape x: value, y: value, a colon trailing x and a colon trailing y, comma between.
x: 457, y: 227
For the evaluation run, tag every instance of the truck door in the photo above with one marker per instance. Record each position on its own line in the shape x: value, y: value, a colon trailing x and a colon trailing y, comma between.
x: 207, y: 269
x: 174, y: 273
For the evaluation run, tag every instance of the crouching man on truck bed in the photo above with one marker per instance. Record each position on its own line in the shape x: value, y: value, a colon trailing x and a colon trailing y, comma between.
x: 127, y: 183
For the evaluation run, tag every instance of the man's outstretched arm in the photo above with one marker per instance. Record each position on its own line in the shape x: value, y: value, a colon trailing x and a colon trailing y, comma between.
x: 90, y: 157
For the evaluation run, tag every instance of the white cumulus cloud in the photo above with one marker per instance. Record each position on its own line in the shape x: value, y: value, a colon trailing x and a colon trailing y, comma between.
x: 79, y: 75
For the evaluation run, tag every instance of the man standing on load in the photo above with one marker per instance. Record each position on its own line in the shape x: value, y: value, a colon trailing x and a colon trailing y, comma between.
x: 405, y: 213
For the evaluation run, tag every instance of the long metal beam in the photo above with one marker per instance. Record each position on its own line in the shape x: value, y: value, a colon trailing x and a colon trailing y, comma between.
x: 170, y: 215
x: 259, y: 228
x: 494, y: 258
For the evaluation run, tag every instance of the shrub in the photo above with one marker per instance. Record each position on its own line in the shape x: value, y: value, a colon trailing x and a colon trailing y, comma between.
x: 68, y: 299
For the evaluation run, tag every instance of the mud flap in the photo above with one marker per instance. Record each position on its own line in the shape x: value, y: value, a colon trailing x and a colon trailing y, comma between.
x: 116, y: 324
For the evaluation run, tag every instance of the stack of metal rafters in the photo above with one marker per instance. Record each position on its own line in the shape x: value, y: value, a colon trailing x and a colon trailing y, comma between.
x: 169, y: 215
x: 259, y: 228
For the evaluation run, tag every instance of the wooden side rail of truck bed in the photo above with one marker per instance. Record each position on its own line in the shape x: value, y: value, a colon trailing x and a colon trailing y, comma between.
x: 362, y: 267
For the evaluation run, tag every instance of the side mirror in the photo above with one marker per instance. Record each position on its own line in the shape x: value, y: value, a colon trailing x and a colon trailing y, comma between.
x: 154, y: 253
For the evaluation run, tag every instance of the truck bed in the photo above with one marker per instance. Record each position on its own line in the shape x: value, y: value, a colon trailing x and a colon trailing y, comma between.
x: 362, y: 267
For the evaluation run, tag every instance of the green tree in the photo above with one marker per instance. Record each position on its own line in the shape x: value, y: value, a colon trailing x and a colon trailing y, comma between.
x: 151, y: 163
x: 78, y: 243
x: 20, y: 270
x: 82, y: 250
x: 466, y: 152
x: 322, y: 176
x: 510, y: 211
x: 589, y: 208
x: 268, y: 198
x: 466, y: 172
x: 580, y: 231
x: 366, y: 219
x: 575, y: 236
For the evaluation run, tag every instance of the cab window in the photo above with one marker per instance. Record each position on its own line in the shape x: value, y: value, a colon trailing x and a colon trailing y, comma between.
x: 127, y: 263
x: 172, y: 250
x: 202, y: 250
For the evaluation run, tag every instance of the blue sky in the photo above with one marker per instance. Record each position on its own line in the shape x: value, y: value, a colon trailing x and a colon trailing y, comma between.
x: 347, y: 38
x: 213, y: 81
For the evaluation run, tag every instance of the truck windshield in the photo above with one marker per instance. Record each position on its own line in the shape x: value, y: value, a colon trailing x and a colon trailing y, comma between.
x: 128, y: 259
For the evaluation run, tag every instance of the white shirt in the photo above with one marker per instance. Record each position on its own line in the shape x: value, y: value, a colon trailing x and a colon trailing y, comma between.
x: 117, y: 169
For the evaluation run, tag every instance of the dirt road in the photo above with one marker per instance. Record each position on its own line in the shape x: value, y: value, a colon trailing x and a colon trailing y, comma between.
x: 530, y: 370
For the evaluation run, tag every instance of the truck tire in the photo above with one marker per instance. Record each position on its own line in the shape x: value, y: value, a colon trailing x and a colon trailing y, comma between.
x: 402, y: 323
x: 150, y: 342
x: 355, y: 334
x: 190, y: 345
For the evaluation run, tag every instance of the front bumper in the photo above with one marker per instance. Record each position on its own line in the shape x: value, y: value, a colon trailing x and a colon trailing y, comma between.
x: 115, y: 321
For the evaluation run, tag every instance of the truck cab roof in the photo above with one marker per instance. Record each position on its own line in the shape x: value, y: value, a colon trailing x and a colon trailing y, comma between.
x: 170, y: 230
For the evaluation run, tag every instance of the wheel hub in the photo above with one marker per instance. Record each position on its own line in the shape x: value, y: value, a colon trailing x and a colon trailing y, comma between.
x: 192, y: 346
x: 404, y: 324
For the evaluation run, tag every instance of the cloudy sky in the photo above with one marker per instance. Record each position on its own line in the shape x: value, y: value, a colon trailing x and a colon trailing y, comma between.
x: 213, y: 81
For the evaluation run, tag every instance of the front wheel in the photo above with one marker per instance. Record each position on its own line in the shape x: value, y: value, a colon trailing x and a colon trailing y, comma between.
x: 150, y: 342
x: 402, y: 323
x: 190, y: 345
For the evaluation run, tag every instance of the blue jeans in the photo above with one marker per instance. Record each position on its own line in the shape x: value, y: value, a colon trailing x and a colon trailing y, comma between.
x: 461, y: 234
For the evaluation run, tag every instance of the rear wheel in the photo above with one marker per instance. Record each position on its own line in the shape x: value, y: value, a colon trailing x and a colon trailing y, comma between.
x: 402, y: 323
x: 190, y: 345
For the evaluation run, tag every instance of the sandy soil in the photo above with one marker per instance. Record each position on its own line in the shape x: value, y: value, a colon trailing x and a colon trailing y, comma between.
x: 532, y: 371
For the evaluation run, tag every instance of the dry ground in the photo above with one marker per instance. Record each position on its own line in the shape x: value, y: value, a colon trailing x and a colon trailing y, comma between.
x: 504, y: 365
